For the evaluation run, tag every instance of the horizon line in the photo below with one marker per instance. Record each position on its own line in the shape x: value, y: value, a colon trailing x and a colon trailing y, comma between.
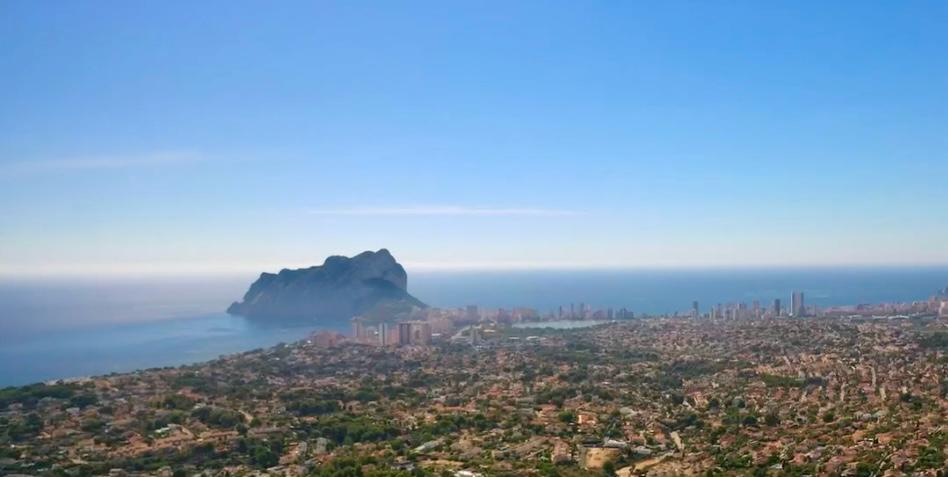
x: 104, y: 271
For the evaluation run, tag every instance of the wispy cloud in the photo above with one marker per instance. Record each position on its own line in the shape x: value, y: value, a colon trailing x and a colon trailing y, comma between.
x: 42, y: 166
x: 445, y: 210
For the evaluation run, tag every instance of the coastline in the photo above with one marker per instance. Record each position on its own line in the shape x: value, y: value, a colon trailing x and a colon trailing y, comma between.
x: 127, y: 347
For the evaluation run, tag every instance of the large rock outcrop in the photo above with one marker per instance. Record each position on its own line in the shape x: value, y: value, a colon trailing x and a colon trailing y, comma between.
x: 337, y: 290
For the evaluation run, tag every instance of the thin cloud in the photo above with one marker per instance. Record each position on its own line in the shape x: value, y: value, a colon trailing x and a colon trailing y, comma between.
x: 445, y: 211
x: 97, y: 162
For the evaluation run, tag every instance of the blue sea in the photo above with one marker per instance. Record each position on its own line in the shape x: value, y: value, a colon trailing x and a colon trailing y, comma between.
x: 65, y: 328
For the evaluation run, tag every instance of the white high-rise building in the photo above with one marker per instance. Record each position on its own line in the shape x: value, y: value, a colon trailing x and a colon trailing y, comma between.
x: 797, y: 309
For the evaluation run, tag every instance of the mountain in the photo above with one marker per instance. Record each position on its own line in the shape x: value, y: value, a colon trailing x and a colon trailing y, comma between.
x: 337, y: 290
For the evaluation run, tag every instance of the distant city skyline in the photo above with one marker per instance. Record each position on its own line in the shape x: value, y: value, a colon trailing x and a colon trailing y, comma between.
x: 220, y: 138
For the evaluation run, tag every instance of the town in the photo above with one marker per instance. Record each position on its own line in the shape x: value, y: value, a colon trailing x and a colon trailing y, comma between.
x: 419, y: 326
x: 737, y: 390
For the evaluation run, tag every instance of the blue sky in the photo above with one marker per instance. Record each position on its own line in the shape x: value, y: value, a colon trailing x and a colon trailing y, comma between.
x: 206, y: 137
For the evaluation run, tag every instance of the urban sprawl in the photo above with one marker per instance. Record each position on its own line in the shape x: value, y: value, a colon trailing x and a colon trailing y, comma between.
x: 738, y: 389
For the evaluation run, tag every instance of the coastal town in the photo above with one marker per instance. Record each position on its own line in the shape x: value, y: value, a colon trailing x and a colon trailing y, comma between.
x: 635, y: 239
x: 859, y: 391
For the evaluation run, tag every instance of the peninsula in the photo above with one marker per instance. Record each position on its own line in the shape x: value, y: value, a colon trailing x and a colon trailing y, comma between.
x: 337, y: 290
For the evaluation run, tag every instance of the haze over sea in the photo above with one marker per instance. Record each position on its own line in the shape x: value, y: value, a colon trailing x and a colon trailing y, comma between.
x: 63, y: 328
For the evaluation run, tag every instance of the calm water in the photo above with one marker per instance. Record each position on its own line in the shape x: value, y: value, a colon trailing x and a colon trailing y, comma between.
x: 666, y: 291
x: 103, y: 349
x: 61, y: 329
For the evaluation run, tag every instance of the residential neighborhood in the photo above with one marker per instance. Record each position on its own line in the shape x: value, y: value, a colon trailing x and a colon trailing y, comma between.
x: 656, y: 396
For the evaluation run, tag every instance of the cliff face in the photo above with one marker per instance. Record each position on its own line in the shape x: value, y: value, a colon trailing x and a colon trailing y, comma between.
x: 339, y: 289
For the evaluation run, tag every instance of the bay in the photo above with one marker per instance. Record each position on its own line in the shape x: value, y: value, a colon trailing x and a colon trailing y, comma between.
x: 64, y: 328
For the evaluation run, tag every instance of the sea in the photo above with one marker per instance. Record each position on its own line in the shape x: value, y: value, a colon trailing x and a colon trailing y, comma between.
x: 63, y: 328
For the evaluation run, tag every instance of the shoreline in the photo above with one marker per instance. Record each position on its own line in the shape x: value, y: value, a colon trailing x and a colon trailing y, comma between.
x: 542, y: 327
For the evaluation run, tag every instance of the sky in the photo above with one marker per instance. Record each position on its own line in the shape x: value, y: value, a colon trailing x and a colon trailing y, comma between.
x: 184, y: 137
